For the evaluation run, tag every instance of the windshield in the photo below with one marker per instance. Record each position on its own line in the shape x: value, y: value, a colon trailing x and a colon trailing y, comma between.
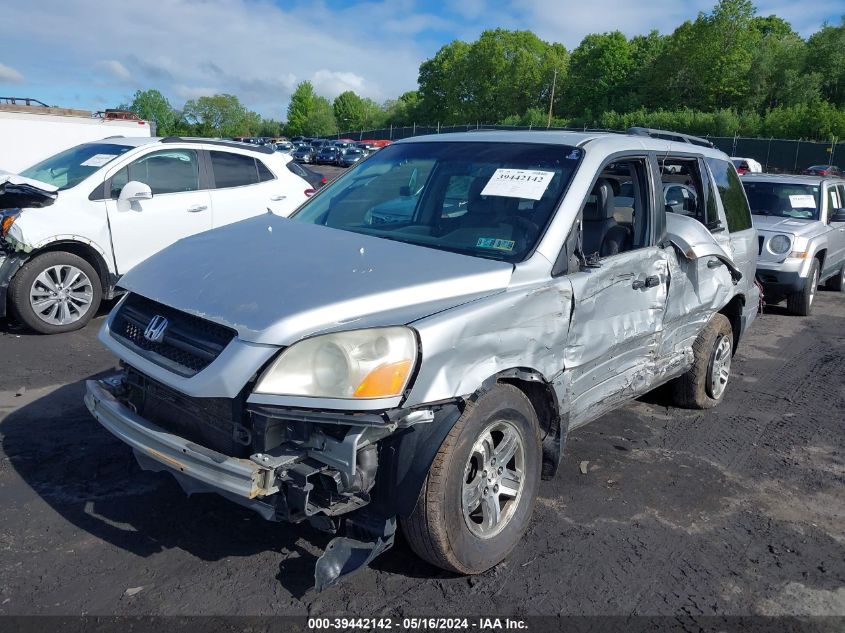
x: 785, y: 200
x: 69, y: 168
x: 490, y: 200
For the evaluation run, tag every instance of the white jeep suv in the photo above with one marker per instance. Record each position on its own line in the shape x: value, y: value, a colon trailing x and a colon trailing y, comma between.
x: 73, y: 224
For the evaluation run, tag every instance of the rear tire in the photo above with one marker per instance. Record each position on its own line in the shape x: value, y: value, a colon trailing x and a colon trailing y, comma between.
x: 704, y: 384
x: 55, y: 292
x: 800, y: 303
x: 837, y: 282
x: 473, y: 509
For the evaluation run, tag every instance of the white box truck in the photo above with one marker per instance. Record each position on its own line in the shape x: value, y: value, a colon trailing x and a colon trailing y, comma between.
x: 31, y: 131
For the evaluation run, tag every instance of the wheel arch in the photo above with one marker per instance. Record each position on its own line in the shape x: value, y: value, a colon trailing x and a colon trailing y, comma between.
x: 86, y: 251
x: 733, y: 311
x: 820, y: 255
x: 406, y: 456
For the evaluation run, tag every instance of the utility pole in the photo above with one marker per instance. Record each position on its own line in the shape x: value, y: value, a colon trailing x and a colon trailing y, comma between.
x: 552, y: 100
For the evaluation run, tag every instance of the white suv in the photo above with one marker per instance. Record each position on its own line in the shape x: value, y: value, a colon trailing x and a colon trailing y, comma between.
x: 71, y: 225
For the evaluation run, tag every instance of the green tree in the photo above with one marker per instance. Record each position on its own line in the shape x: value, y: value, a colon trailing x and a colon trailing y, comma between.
x: 826, y: 54
x: 705, y: 64
x: 348, y: 110
x: 218, y: 115
x: 300, y: 108
x: 599, y: 72
x: 502, y: 73
x: 151, y: 105
x: 402, y: 111
x: 321, y: 121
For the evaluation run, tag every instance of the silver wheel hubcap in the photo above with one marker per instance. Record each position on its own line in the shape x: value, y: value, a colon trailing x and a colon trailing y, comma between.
x: 61, y: 294
x: 494, y: 477
x: 720, y: 367
x: 813, y: 286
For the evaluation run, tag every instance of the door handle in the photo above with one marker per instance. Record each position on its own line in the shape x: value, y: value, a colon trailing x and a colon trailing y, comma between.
x: 649, y: 282
x: 277, y: 198
x: 713, y: 263
x: 197, y: 208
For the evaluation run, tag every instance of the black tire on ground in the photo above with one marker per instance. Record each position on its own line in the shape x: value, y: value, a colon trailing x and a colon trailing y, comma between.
x: 801, y: 302
x: 22, y: 284
x: 438, y: 530
x: 837, y: 282
x: 694, y: 390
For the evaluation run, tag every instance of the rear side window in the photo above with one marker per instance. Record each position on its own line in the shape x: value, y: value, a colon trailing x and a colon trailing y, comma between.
x: 732, y: 194
x: 264, y: 174
x: 234, y: 170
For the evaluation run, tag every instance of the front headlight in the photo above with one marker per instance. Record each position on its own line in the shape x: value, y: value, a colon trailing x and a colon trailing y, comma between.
x: 372, y: 363
x: 780, y: 244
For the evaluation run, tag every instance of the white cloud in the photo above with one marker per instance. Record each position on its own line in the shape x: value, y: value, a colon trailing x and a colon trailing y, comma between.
x: 331, y: 83
x: 194, y: 92
x: 10, y: 75
x: 251, y: 48
x: 114, y: 68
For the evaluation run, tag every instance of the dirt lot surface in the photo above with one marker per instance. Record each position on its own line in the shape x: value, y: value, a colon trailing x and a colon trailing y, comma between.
x: 735, y: 510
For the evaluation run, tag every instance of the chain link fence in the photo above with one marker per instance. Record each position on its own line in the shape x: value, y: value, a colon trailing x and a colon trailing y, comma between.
x: 776, y: 155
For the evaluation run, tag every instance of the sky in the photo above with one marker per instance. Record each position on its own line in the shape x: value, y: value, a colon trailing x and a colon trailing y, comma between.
x: 93, y: 54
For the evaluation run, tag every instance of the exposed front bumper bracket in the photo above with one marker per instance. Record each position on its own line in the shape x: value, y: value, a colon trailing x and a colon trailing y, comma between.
x: 239, y: 477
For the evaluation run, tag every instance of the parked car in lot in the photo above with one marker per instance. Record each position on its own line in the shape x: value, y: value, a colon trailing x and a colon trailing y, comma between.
x: 284, y: 147
x: 350, y: 156
x: 304, y: 154
x: 746, y: 165
x: 800, y: 221
x: 313, y: 178
x: 822, y: 170
x: 429, y: 369
x: 71, y: 225
x: 327, y: 156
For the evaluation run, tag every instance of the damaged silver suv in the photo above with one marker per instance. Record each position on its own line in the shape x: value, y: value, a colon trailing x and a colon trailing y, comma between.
x: 355, y: 368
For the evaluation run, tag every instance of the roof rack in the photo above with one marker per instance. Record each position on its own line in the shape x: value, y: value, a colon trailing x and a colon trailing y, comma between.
x: 669, y: 136
x: 215, y: 141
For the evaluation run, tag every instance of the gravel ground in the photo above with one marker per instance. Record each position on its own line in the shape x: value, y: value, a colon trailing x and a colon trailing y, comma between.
x: 736, y: 510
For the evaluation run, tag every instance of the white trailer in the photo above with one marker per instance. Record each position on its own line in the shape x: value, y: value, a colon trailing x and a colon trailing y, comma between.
x: 31, y: 131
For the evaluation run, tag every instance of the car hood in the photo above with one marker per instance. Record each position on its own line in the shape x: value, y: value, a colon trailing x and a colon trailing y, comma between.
x: 791, y: 226
x: 17, y: 192
x: 277, y: 280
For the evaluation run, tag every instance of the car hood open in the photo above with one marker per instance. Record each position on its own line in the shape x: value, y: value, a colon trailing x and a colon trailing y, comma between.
x: 277, y: 280
x: 17, y: 192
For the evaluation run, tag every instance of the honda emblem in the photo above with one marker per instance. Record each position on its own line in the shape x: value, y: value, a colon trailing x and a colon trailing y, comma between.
x: 154, y: 332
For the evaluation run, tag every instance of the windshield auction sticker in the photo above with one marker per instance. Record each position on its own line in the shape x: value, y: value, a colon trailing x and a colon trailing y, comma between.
x: 98, y: 160
x: 518, y: 183
x: 802, y: 201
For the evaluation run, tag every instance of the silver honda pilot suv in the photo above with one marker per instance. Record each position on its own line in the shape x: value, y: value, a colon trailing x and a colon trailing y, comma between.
x: 362, y: 369
x: 801, y: 225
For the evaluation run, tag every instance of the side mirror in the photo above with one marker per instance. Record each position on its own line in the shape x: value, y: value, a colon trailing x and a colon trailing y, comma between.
x: 132, y: 193
x: 838, y: 215
x: 694, y: 242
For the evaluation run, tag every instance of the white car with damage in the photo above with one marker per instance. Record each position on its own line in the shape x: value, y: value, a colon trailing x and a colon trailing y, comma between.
x: 73, y: 224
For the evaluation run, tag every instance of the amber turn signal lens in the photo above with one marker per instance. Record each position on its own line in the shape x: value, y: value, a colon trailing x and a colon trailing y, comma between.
x: 384, y: 381
x: 6, y: 224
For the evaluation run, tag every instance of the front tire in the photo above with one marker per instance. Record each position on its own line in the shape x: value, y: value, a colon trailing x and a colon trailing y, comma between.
x: 477, y: 499
x: 704, y: 384
x: 800, y: 303
x: 55, y: 292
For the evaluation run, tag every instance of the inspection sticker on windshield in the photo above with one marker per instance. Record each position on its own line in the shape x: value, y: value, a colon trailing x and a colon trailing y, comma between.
x: 802, y: 201
x: 98, y: 160
x: 518, y: 183
x: 491, y: 242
